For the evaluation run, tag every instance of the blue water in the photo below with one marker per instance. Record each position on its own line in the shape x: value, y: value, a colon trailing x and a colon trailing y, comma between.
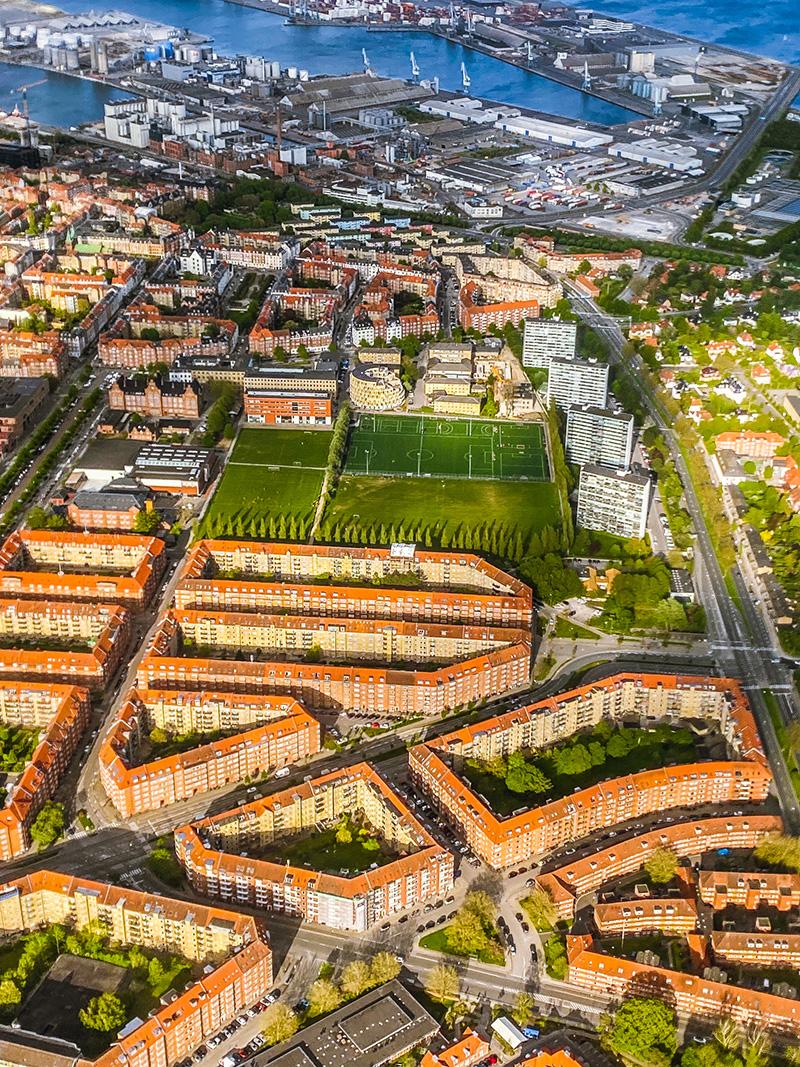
x: 337, y: 50
x: 54, y: 99
x: 770, y: 29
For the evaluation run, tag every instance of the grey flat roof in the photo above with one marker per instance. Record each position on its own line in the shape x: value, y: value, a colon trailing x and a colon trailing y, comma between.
x: 371, y: 1031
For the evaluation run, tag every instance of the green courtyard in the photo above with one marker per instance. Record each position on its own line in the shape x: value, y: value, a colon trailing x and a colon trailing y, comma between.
x: 350, y: 846
x: 530, y: 779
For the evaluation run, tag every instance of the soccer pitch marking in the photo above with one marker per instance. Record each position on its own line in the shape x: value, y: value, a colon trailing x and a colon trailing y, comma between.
x: 465, y: 448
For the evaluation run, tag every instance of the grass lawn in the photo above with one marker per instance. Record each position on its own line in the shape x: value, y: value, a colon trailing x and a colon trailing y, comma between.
x: 246, y: 495
x: 467, y: 448
x: 436, y: 941
x: 282, y: 448
x: 271, y: 473
x: 566, y: 628
x: 424, y: 502
x: 667, y: 744
x: 786, y: 749
x: 322, y: 852
x: 142, y: 996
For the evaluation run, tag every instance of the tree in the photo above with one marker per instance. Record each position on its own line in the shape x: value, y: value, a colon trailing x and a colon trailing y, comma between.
x: 323, y: 996
x: 522, y: 1012
x: 10, y: 995
x: 465, y: 935
x: 728, y: 1035
x: 661, y: 866
x: 49, y: 824
x: 105, y: 1013
x: 780, y: 850
x: 524, y: 777
x: 356, y: 978
x: 147, y: 522
x: 384, y: 967
x: 541, y: 909
x: 481, y: 904
x: 793, y: 735
x: 280, y: 1023
x: 158, y: 736
x: 643, y: 1028
x: 442, y: 983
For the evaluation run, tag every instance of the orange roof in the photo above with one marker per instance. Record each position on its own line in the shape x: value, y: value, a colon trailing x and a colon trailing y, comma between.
x: 692, y: 993
x: 190, y: 844
x: 500, y: 829
x: 470, y: 1048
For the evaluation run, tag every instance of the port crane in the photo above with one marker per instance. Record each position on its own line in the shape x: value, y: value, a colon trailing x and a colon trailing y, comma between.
x: 466, y: 81
x: 365, y: 58
x: 414, y: 69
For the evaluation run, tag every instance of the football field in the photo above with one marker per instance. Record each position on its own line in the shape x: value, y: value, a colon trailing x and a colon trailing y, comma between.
x: 428, y: 447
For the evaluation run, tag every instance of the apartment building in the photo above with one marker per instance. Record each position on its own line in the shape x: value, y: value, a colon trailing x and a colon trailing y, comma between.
x: 422, y: 570
x: 690, y: 995
x: 86, y: 641
x: 750, y: 890
x: 672, y: 916
x: 307, y: 653
x: 435, y: 765
x: 219, y: 853
x: 566, y: 884
x: 231, y: 949
x: 21, y: 400
x: 546, y: 339
x: 254, y: 250
x: 376, y: 388
x: 24, y: 354
x: 750, y: 444
x: 577, y: 382
x: 599, y: 437
x: 607, y: 262
x: 264, y: 577
x: 759, y: 949
x: 61, y: 713
x: 46, y: 564
x: 617, y: 502
x: 476, y: 312
x: 142, y: 335
x: 394, y: 660
x: 260, y: 734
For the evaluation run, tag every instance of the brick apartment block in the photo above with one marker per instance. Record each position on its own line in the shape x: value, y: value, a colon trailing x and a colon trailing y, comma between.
x: 535, y: 832
x: 214, y: 852
x: 749, y: 889
x: 669, y: 915
x: 61, y: 713
x: 267, y: 733
x: 46, y: 564
x: 231, y: 949
x: 103, y: 627
x: 322, y: 581
x: 566, y: 884
x: 481, y: 661
x: 690, y: 995
x: 24, y: 354
x: 755, y: 948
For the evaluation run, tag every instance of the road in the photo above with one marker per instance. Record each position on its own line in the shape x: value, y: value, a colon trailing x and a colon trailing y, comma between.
x: 735, y: 651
